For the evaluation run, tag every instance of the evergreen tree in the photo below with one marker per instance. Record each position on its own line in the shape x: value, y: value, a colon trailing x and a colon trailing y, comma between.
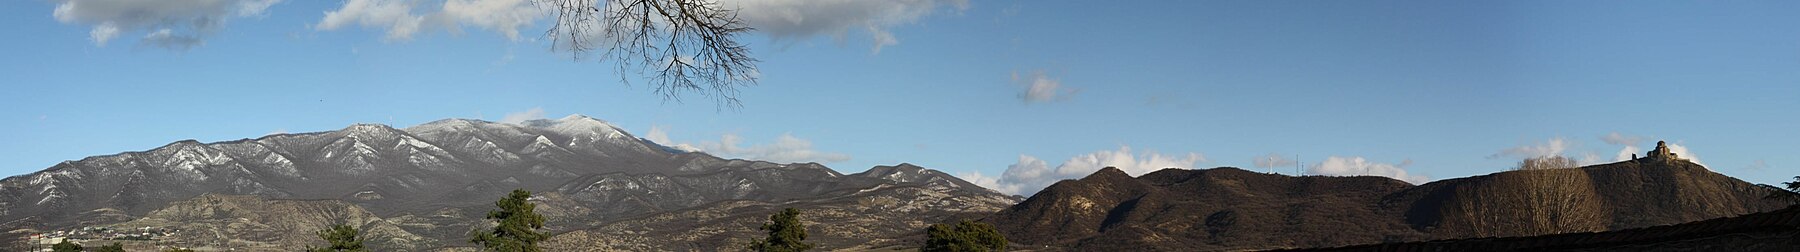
x: 964, y: 236
x: 115, y: 247
x: 786, y: 234
x: 518, y: 224
x: 1791, y: 193
x: 342, y: 238
x: 66, y: 246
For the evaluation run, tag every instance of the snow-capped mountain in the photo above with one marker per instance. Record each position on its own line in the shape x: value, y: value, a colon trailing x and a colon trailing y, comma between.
x: 596, y: 172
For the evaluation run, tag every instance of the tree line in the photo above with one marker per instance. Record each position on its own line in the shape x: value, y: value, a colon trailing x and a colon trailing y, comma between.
x: 518, y: 230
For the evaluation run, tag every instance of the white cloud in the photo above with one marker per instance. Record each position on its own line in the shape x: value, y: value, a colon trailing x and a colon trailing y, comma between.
x: 798, y: 20
x: 1552, y: 147
x: 503, y: 16
x: 657, y: 134
x: 1028, y: 172
x: 1272, y: 160
x: 1758, y: 165
x: 173, y: 24
x: 1615, y: 138
x: 1589, y: 158
x: 394, y: 15
x: 786, y: 149
x: 168, y: 39
x: 103, y: 32
x: 403, y: 19
x: 1625, y: 153
x: 1358, y: 166
x: 1039, y: 87
x: 522, y: 116
x: 661, y: 136
x: 1628, y: 145
x: 1031, y: 174
x: 188, y: 22
x: 979, y: 179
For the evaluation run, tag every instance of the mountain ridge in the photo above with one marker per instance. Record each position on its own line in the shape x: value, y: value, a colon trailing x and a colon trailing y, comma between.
x: 589, y: 171
x: 1233, y: 209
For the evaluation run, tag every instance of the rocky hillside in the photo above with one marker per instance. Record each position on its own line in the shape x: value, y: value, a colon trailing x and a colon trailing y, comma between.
x: 244, y: 222
x: 1233, y: 209
x: 436, y: 181
x: 887, y: 215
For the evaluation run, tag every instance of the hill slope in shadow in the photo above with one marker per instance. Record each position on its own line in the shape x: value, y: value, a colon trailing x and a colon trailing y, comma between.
x: 1234, y: 209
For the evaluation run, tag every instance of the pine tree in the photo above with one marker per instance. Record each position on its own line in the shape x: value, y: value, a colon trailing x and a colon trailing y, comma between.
x: 66, y: 246
x: 342, y: 237
x: 786, y: 234
x: 1791, y: 193
x: 964, y: 236
x: 115, y: 247
x: 518, y: 224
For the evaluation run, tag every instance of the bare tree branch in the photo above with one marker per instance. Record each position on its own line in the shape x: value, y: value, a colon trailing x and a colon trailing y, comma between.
x: 1544, y: 195
x: 688, y: 45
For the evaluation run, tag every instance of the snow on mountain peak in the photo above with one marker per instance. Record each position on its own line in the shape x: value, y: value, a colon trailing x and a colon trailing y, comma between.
x: 572, y: 117
x: 443, y: 125
x: 367, y: 127
x: 371, y: 132
x: 579, y: 125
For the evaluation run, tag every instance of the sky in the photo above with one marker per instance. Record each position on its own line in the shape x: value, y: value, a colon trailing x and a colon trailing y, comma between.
x: 1012, y: 95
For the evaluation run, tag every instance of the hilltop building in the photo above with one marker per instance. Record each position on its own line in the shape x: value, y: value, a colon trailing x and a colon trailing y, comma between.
x: 1661, y: 154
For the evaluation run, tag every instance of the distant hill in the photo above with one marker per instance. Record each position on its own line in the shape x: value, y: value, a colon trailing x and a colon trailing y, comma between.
x: 1234, y: 209
x: 432, y: 183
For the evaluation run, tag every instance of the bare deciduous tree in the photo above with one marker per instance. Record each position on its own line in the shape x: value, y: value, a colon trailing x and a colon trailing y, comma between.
x: 1544, y: 196
x: 1547, y: 163
x: 683, y: 45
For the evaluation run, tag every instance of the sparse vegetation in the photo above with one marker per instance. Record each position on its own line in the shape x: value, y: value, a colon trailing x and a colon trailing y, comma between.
x: 342, y: 237
x: 178, y: 250
x: 964, y: 236
x: 115, y: 247
x: 66, y: 246
x: 518, y: 225
x: 786, y: 233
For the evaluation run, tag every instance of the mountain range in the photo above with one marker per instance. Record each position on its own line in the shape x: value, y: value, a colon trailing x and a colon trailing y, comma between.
x: 425, y: 187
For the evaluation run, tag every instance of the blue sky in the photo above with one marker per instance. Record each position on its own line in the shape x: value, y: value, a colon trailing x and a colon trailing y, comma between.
x: 1416, y: 90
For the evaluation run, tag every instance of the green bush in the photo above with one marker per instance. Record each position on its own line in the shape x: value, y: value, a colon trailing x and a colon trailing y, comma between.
x: 964, y: 236
x: 342, y: 238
